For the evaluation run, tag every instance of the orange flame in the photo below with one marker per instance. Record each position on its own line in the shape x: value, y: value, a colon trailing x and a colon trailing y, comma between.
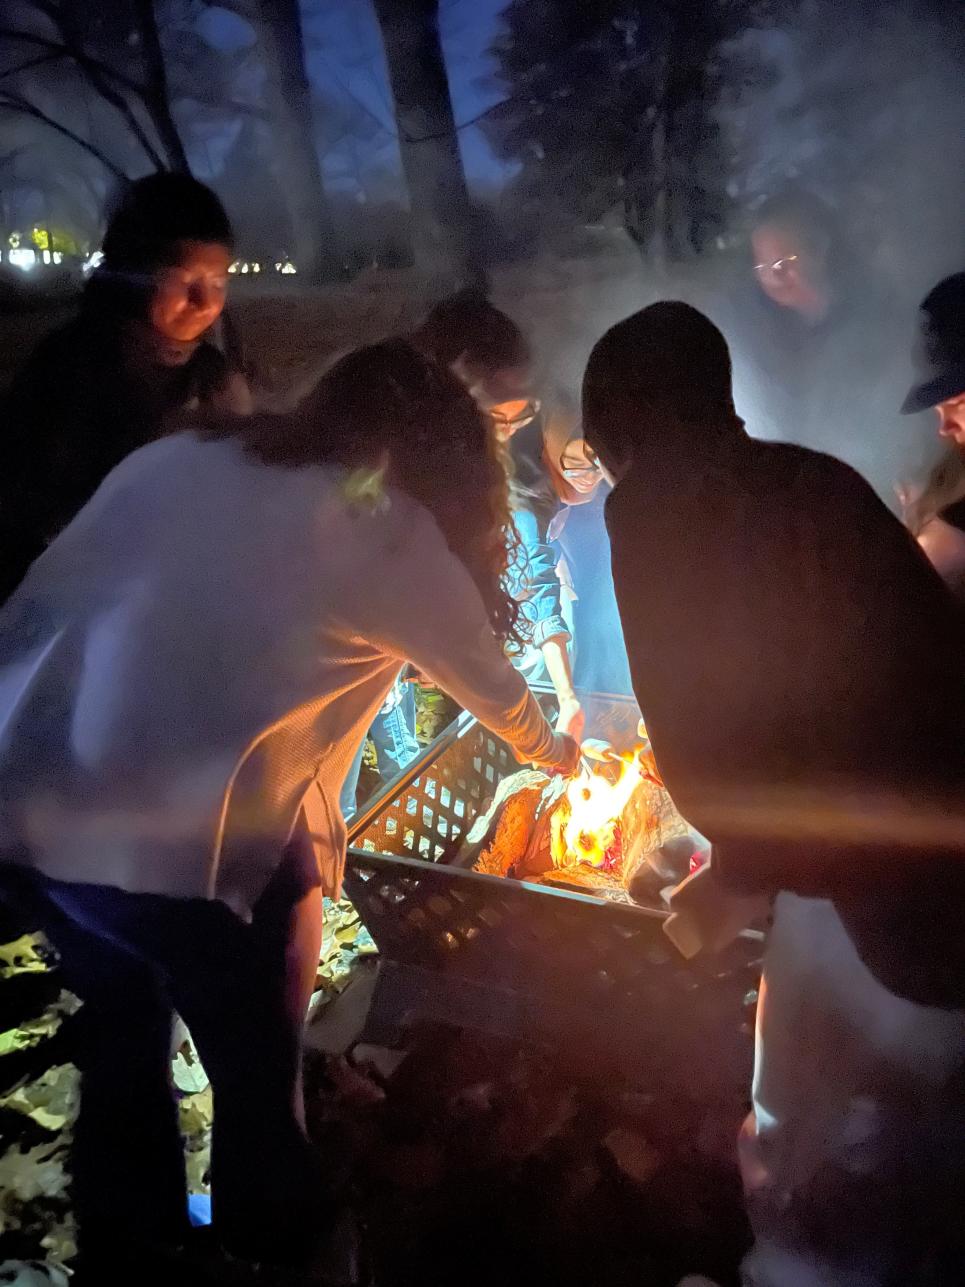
x: 592, y: 831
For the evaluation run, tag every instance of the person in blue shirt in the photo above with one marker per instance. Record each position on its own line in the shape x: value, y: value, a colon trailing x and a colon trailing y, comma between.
x: 548, y: 471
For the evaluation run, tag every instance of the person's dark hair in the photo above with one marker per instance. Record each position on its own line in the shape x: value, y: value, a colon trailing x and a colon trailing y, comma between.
x: 389, y: 404
x: 155, y: 213
x: 468, y: 325
x: 149, y: 219
x: 805, y: 214
x: 668, y: 356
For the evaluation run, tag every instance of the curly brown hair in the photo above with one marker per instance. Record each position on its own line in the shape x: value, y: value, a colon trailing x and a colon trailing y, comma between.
x: 388, y: 406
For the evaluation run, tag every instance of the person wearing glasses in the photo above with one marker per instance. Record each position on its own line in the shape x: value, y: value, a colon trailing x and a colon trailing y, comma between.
x: 551, y: 470
x: 811, y: 327
x: 792, y: 241
x: 487, y: 350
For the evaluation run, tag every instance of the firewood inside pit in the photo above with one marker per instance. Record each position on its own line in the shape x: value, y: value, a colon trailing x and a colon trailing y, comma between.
x: 522, y: 835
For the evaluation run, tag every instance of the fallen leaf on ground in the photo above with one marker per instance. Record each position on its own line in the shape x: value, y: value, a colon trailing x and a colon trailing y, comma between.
x: 25, y: 955
x: 51, y: 1100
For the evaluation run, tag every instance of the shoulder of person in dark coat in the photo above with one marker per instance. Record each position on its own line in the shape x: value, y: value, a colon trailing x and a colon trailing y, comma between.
x: 72, y: 414
x: 63, y: 378
x: 207, y: 371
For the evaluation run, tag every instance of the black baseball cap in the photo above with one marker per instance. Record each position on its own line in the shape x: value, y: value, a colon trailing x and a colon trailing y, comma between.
x: 939, y: 355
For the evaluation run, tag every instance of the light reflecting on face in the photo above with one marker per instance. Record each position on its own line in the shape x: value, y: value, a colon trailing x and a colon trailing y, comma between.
x: 508, y: 417
x: 786, y: 271
x: 190, y: 294
x: 580, y: 467
x: 951, y: 419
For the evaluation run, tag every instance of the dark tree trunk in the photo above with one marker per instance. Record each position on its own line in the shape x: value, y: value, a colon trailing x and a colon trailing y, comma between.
x: 666, y: 201
x: 442, y: 224
x: 156, y: 93
x: 314, y: 248
x: 691, y: 136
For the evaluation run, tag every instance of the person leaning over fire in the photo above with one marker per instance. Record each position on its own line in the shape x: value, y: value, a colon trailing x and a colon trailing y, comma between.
x: 937, y: 516
x: 799, y: 666
x: 184, y: 672
x: 138, y: 351
x: 488, y: 351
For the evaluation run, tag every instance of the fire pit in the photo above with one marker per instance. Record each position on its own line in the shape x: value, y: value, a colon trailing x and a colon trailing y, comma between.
x: 593, y: 978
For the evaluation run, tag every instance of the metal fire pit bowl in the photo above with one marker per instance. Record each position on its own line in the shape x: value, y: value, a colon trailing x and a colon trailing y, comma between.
x: 595, y: 980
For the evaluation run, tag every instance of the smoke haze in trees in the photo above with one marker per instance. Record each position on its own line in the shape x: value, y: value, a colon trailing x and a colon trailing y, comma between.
x: 630, y: 143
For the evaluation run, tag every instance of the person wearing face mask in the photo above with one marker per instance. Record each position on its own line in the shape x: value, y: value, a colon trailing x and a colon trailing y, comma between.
x: 937, y: 516
x: 108, y: 382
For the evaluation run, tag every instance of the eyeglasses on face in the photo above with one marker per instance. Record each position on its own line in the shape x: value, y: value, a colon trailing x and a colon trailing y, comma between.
x: 779, y: 268
x: 519, y: 420
x: 579, y: 463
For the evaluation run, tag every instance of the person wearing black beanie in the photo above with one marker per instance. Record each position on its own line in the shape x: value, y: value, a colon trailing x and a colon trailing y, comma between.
x: 110, y: 380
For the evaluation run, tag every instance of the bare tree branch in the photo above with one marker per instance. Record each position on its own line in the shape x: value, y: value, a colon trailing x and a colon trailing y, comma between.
x: 15, y: 103
x: 73, y: 38
x: 59, y: 49
x: 38, y: 61
x: 463, y: 125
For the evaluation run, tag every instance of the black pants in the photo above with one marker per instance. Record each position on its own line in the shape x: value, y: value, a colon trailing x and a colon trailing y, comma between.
x: 134, y: 959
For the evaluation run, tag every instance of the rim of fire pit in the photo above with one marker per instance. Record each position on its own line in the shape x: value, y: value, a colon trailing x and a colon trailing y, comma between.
x: 461, y: 726
x: 597, y: 978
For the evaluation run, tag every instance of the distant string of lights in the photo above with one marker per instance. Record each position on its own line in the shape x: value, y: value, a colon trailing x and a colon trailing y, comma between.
x: 26, y: 254
x: 243, y: 266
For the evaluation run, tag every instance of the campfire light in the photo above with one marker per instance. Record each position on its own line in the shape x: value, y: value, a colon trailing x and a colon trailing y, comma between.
x: 592, y: 832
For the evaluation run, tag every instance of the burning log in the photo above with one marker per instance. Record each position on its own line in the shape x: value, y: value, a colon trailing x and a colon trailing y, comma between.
x: 592, y: 832
x: 512, y: 837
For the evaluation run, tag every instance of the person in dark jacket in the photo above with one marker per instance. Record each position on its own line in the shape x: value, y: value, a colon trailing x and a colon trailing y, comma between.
x: 799, y: 665
x: 937, y: 516
x: 107, y: 382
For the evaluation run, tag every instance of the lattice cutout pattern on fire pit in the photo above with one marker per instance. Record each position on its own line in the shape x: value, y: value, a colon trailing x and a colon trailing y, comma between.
x: 597, y: 978
x: 431, y: 814
x: 523, y: 960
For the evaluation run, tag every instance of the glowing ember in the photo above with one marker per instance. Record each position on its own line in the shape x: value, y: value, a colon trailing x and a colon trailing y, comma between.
x: 592, y: 832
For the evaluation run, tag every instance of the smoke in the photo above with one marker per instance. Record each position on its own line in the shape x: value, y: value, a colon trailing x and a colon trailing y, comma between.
x: 861, y: 105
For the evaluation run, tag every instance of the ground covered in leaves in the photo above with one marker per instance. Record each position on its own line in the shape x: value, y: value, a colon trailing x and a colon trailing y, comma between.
x: 40, y: 1088
x: 467, y: 1160
x: 476, y: 1162
x: 473, y: 1160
